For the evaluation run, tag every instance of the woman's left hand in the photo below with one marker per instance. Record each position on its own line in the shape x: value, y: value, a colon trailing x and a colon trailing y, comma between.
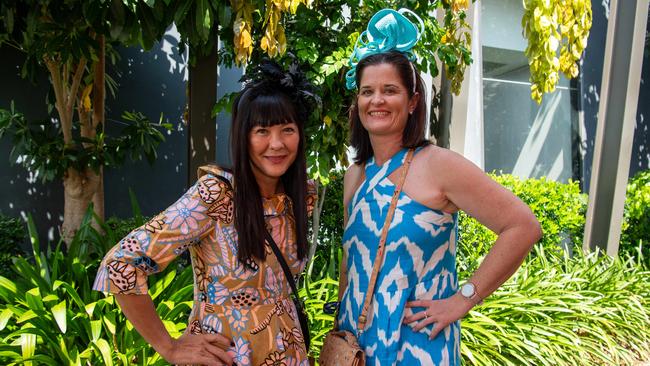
x: 439, y: 312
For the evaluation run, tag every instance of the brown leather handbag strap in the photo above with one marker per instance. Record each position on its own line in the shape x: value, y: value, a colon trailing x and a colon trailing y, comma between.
x: 361, y: 325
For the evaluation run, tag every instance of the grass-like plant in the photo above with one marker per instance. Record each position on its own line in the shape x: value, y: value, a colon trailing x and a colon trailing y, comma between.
x: 556, y: 310
x: 49, y: 315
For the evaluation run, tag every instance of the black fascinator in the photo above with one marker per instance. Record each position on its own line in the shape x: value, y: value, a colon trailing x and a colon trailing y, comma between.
x: 269, y: 77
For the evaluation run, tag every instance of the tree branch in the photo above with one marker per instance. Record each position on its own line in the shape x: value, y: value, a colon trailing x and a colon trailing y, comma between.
x: 76, y: 80
x: 60, y: 98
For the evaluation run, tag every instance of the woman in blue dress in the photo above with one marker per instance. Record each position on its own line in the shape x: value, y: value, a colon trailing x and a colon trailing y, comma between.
x: 415, y: 312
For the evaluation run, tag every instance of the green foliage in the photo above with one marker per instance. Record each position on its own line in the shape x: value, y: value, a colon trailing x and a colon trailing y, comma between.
x: 48, y: 158
x: 330, y: 233
x: 589, y: 309
x: 636, y: 220
x: 122, y: 227
x: 12, y: 236
x: 50, y: 315
x: 317, y: 294
x: 560, y: 209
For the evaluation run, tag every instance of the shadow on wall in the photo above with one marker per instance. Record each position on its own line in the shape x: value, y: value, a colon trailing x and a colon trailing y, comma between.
x: 153, y: 83
x: 22, y: 192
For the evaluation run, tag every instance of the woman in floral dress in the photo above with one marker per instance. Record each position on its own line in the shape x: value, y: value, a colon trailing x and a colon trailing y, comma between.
x: 242, y: 312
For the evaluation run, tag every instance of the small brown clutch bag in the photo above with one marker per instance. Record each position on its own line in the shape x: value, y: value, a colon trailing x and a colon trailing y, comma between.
x: 340, y: 348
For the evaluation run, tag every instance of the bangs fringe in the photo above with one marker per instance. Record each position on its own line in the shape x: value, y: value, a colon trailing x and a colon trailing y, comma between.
x: 271, y: 110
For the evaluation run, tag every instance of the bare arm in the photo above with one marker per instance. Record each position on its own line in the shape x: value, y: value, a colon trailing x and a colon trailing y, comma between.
x: 205, y: 349
x: 499, y: 210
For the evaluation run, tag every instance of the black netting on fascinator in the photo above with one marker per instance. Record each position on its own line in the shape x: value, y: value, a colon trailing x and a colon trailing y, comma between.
x: 269, y: 77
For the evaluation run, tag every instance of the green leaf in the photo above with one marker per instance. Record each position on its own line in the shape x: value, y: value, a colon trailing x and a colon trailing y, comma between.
x: 104, y: 349
x: 27, y: 345
x: 33, y: 299
x: 95, y: 329
x: 135, y: 208
x: 161, y: 284
x: 59, y: 312
x: 7, y: 288
x: 27, y: 315
x: 109, y: 322
x: 71, y: 292
x: 182, y: 10
x: 5, y: 315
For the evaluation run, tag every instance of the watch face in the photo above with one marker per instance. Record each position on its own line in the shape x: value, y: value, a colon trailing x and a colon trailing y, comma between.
x: 467, y: 290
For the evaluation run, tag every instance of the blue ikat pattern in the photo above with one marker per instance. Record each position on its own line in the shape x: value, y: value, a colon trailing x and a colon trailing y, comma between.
x: 419, y: 263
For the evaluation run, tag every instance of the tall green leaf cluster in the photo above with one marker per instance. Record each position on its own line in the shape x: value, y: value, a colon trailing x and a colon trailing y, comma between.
x: 50, y: 316
x: 556, y: 310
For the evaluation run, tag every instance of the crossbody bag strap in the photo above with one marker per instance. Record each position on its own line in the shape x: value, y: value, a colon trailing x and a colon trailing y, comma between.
x: 283, y: 264
x: 361, y: 325
x: 292, y: 283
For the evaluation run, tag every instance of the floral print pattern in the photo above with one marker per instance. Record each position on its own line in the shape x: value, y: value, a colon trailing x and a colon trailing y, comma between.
x: 186, y: 215
x: 249, y: 304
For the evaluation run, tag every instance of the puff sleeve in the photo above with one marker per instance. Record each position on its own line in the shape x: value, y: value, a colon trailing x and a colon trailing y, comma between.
x: 151, y: 247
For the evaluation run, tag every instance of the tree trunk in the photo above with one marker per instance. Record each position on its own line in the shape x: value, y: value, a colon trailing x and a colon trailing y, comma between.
x: 98, y: 197
x: 202, y: 127
x: 78, y: 191
x: 99, y: 96
x: 315, y: 219
x: 441, y: 129
x: 78, y: 186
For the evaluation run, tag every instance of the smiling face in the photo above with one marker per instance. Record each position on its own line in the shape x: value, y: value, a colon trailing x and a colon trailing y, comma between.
x: 272, y: 150
x: 383, y: 100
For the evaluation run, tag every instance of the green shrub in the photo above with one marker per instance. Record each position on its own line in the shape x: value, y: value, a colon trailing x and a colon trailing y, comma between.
x: 636, y: 222
x: 560, y: 209
x: 49, y: 314
x: 316, y: 294
x: 122, y: 227
x: 12, y: 236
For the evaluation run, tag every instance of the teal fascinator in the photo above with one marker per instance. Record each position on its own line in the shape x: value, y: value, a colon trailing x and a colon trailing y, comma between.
x: 388, y: 30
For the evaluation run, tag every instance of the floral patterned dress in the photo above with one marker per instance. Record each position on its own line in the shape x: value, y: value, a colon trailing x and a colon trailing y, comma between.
x: 251, y: 306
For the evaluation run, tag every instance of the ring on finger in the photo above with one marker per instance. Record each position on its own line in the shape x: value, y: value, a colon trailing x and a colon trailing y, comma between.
x: 426, y: 316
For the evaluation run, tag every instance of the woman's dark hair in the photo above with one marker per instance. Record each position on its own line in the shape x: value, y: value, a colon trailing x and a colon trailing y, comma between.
x: 413, y: 135
x: 266, y: 103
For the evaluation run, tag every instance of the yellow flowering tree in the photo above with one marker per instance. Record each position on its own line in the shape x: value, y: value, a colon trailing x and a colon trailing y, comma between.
x: 557, y: 32
x: 273, y: 41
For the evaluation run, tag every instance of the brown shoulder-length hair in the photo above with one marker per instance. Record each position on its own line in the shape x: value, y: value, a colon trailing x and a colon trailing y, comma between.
x: 413, y: 135
x: 263, y: 104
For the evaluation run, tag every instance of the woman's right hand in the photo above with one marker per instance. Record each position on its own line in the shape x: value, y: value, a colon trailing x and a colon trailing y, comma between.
x: 203, y: 349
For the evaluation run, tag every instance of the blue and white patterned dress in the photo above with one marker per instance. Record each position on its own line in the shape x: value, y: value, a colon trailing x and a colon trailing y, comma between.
x: 419, y: 263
